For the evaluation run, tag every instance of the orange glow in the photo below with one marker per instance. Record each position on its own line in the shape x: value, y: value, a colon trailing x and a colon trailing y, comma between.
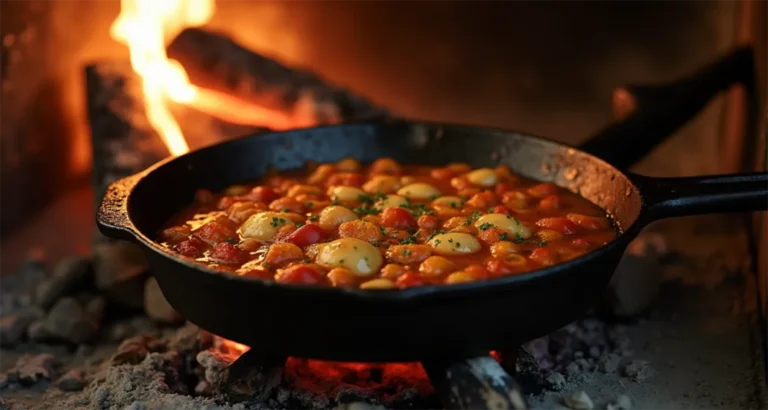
x: 144, y: 26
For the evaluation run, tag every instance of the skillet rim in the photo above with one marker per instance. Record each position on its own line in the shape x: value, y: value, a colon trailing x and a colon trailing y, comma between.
x: 388, y: 295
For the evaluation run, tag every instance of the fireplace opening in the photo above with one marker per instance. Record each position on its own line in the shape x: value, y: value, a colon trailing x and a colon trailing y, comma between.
x: 95, y: 91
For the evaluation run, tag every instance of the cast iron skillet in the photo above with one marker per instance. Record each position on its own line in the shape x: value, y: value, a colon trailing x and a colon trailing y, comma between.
x: 433, y: 321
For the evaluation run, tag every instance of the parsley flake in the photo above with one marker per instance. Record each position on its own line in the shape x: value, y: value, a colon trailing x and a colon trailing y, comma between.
x: 472, y: 218
x: 485, y: 226
x: 406, y: 252
x: 314, y: 218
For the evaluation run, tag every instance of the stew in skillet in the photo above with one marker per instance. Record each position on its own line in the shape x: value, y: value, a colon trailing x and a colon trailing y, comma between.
x: 387, y: 225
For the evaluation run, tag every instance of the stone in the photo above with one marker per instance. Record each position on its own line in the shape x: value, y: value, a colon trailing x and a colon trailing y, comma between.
x: 38, y: 331
x: 555, y: 381
x: 609, y: 363
x: 190, y: 339
x: 156, y: 306
x: 636, y: 281
x: 73, y: 380
x: 578, y: 401
x: 13, y: 327
x: 120, y: 269
x: 572, y: 369
x: 30, y: 369
x: 135, y: 349
x: 203, y: 388
x: 97, y: 307
x: 215, y: 365
x: 637, y: 370
x: 68, y: 320
x: 69, y: 275
x: 621, y: 403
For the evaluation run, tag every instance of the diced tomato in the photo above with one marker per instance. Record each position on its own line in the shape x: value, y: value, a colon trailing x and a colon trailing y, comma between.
x: 442, y: 174
x: 483, y: 200
x: 306, y: 235
x: 589, y: 222
x: 497, y: 267
x: 490, y: 236
x: 262, y: 194
x: 398, y: 218
x: 460, y: 183
x: 501, y: 209
x: 225, y: 202
x: 204, y: 197
x: 549, y: 203
x: 249, y: 245
x: 544, y: 256
x: 191, y: 248
x: 428, y: 222
x: 226, y: 254
x: 581, y: 243
x: 477, y: 271
x: 543, y: 190
x: 215, y: 232
x: 300, y: 274
x: 341, y: 277
x: 501, y: 188
x: 410, y: 280
x: 286, y: 204
x: 558, y: 224
x: 345, y: 178
x: 258, y: 272
x: 175, y: 234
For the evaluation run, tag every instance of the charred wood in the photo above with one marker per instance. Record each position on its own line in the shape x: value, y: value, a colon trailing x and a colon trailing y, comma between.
x: 216, y: 62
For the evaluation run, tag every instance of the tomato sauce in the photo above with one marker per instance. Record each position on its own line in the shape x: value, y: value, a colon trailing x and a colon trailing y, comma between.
x: 387, y: 226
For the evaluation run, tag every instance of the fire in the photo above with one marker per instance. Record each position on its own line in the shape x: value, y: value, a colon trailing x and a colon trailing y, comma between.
x: 144, y: 26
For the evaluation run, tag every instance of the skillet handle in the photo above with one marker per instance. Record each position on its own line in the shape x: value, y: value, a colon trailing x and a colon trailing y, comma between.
x: 651, y: 113
x: 670, y: 197
x: 112, y: 217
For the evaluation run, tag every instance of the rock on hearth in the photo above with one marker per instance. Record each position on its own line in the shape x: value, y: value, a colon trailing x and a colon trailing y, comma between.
x: 30, y: 369
x: 215, y: 365
x: 156, y: 306
x: 121, y: 269
x: 14, y: 326
x: 69, y: 275
x: 68, y: 320
x: 579, y: 401
x: 73, y: 380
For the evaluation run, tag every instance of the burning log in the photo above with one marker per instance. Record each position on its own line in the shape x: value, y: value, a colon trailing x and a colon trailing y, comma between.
x: 216, y: 62
x: 475, y: 383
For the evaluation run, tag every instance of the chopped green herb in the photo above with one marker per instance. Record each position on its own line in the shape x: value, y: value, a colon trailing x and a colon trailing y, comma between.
x: 285, y: 210
x: 541, y: 243
x: 503, y: 236
x: 366, y: 199
x: 233, y: 241
x: 458, y: 244
x: 437, y: 241
x: 335, y: 201
x: 450, y: 240
x: 490, y: 210
x: 406, y: 252
x: 454, y: 205
x: 354, y: 247
x: 277, y: 221
x: 518, y: 237
x: 432, y: 235
x: 360, y: 210
x: 485, y: 226
x: 308, y: 204
x: 341, y: 260
x: 407, y: 241
x: 300, y: 224
x: 472, y: 218
x: 314, y: 218
x: 433, y: 197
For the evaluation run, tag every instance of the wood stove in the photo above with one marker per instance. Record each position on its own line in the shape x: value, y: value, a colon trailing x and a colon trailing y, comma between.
x: 285, y: 67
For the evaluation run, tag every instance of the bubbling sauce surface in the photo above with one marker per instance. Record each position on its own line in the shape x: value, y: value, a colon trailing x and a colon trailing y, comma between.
x: 387, y: 226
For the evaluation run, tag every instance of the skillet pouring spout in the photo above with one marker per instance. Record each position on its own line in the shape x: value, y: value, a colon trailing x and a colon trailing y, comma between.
x: 112, y: 217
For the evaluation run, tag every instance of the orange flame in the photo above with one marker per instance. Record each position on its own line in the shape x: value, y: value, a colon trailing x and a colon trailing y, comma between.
x: 144, y: 26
